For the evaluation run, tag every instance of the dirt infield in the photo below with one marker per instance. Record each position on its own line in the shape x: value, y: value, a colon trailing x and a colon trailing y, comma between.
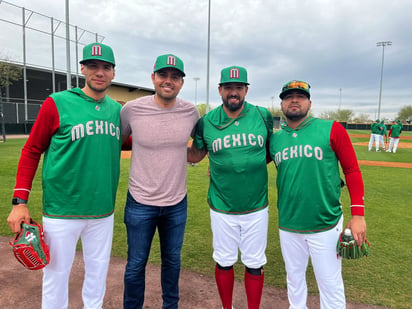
x: 21, y: 288
x: 368, y: 135
x: 401, y: 145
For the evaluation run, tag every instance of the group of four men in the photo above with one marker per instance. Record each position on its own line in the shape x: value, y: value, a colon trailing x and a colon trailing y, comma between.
x: 378, y: 129
x: 81, y: 133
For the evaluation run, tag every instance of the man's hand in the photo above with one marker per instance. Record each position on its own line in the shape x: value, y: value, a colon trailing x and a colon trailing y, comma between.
x: 195, y: 155
x: 358, y: 226
x: 18, y: 214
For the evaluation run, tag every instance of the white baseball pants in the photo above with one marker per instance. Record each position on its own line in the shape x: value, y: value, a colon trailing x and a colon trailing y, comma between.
x: 382, y: 141
x: 62, y: 235
x: 374, y: 139
x: 393, y: 145
x: 321, y: 249
x: 245, y: 233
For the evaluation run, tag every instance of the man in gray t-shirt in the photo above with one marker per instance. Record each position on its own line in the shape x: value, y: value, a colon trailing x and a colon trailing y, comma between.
x: 160, y: 127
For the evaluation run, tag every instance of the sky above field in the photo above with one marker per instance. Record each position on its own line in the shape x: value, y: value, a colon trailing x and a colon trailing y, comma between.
x: 330, y: 44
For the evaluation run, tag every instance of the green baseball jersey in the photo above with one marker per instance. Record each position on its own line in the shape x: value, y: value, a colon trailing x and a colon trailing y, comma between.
x: 308, y: 178
x: 382, y: 129
x: 81, y: 166
x: 237, y: 157
x: 396, y: 130
x: 375, y: 128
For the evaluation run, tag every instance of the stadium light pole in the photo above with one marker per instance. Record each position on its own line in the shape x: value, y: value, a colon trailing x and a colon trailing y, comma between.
x: 196, y: 80
x: 383, y: 44
x: 68, y: 74
x: 208, y: 60
x: 273, y: 106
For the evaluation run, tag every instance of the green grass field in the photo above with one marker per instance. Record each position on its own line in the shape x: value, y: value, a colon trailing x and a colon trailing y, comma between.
x: 384, y: 278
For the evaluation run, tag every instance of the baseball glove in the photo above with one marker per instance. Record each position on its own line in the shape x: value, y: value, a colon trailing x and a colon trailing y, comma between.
x: 29, y: 247
x: 347, y: 247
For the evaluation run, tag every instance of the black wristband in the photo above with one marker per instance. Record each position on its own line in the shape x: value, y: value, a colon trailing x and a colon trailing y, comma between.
x: 17, y: 201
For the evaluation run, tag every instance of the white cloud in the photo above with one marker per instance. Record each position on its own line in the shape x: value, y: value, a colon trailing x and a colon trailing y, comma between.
x: 331, y: 44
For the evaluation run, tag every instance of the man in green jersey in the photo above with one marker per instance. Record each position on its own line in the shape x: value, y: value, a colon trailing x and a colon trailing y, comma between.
x: 306, y: 153
x: 382, y: 133
x: 234, y: 136
x: 78, y: 130
x: 375, y: 136
x: 394, y: 134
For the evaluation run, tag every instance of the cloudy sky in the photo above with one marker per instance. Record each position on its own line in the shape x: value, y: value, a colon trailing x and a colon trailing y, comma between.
x: 331, y: 44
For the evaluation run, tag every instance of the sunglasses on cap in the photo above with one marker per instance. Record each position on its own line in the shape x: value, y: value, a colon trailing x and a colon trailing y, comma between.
x: 296, y: 85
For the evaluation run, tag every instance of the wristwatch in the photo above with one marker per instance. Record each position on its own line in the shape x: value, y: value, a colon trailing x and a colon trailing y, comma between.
x: 17, y: 201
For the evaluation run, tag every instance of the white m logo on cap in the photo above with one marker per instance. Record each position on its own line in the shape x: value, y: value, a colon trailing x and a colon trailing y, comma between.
x: 234, y: 73
x: 171, y: 60
x: 96, y: 50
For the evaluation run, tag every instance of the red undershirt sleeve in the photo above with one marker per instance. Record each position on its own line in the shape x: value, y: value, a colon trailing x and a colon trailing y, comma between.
x: 127, y: 145
x: 342, y: 146
x: 45, y: 126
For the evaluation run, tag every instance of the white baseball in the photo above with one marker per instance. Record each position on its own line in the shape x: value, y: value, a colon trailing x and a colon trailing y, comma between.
x: 347, y: 232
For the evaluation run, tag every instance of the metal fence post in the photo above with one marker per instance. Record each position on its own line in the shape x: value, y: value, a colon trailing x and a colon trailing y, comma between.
x: 3, y: 125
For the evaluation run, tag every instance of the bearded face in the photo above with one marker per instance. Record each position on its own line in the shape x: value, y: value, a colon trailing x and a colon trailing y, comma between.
x: 233, y: 102
x: 233, y: 95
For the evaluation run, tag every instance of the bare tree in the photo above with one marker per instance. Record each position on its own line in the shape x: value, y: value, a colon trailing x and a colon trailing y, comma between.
x: 361, y: 118
x: 9, y: 73
x: 344, y: 115
x: 405, y: 113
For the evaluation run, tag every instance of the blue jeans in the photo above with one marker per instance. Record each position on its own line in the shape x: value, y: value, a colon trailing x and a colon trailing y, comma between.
x: 141, y: 223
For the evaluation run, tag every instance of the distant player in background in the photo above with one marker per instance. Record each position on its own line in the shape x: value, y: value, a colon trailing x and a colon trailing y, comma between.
x: 394, y: 134
x: 235, y: 136
x: 375, y: 136
x: 160, y: 126
x: 306, y: 153
x: 78, y: 130
x: 382, y: 134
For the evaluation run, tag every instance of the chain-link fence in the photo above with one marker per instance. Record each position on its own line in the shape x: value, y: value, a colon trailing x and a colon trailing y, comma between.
x: 12, y: 115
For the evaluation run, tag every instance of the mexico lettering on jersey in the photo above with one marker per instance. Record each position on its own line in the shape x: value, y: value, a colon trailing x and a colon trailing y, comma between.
x: 308, y: 178
x: 237, y: 158
x: 81, y: 166
x: 93, y: 127
x: 238, y: 140
x: 298, y: 151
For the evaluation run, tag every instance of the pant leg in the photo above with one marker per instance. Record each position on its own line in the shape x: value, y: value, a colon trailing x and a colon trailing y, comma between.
x: 327, y: 267
x: 371, y: 139
x: 226, y: 233
x: 253, y: 242
x: 382, y: 140
x: 97, y: 245
x: 296, y: 257
x: 253, y: 238
x: 390, y: 144
x: 377, y: 138
x: 171, y: 227
x: 140, y: 223
x: 61, y: 235
x: 395, y: 144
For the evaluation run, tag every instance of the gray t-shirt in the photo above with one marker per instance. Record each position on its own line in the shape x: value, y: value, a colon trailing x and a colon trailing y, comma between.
x: 159, y: 142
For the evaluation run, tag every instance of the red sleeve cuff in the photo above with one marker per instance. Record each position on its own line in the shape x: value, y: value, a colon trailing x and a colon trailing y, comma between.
x: 22, y: 193
x: 357, y: 210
